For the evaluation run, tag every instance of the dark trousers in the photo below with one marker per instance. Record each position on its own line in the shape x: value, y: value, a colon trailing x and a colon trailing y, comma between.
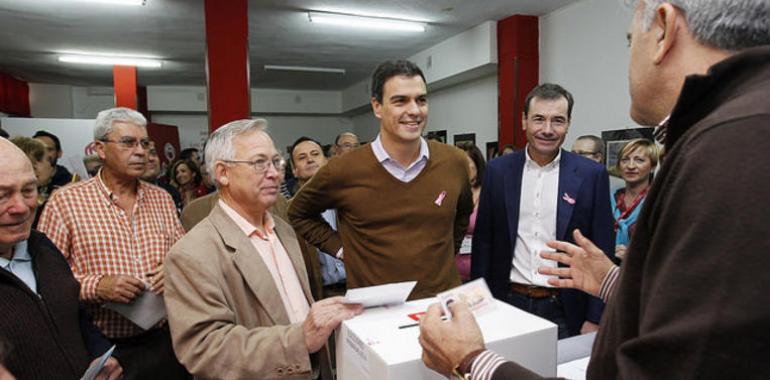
x: 549, y: 308
x: 149, y: 356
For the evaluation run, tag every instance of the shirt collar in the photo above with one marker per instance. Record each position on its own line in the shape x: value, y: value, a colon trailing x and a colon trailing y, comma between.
x: 382, y: 155
x: 246, y: 226
x: 110, y: 195
x: 551, y: 164
x: 20, y: 253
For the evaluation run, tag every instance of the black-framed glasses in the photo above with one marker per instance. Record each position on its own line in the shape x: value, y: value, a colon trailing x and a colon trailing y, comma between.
x: 130, y: 142
x: 260, y: 165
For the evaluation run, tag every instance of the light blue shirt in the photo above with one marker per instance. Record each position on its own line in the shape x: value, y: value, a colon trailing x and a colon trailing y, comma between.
x: 20, y: 265
x: 332, y: 269
x: 394, y: 168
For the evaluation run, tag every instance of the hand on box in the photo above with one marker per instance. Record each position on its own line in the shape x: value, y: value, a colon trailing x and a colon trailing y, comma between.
x: 323, y: 318
x: 446, y: 344
x: 119, y: 288
x: 587, y: 264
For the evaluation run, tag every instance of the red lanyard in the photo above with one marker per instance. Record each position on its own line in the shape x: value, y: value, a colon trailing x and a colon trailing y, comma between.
x: 620, y: 203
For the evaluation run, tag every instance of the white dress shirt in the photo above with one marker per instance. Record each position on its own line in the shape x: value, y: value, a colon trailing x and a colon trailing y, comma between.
x: 537, y: 220
x: 394, y: 168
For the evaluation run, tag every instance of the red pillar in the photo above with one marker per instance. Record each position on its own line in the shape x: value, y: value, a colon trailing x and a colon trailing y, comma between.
x: 227, y: 61
x: 518, y: 68
x: 124, y: 79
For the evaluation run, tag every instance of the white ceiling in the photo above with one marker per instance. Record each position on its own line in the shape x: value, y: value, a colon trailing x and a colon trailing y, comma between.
x: 33, y: 32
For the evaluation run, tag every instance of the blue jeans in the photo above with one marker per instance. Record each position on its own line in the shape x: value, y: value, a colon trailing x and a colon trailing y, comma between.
x: 549, y: 308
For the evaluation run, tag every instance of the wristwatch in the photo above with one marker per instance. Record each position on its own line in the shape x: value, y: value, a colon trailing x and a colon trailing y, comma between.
x: 462, y: 370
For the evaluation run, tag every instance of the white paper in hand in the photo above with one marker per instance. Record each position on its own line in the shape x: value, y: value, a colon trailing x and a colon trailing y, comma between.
x: 475, y: 293
x: 379, y: 295
x: 97, y: 366
x: 145, y: 310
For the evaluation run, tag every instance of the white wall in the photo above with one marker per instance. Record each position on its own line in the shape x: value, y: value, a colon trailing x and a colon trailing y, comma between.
x: 470, y: 107
x: 583, y: 48
x: 50, y: 100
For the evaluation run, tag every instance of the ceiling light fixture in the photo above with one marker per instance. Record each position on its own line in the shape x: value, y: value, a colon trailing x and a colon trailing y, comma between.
x: 363, y: 22
x: 118, y: 2
x: 305, y: 68
x: 111, y: 60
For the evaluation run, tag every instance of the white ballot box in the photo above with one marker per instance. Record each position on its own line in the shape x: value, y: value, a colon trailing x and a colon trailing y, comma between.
x: 376, y: 344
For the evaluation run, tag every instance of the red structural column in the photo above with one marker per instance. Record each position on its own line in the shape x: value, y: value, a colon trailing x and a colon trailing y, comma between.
x: 227, y: 61
x: 124, y: 79
x: 518, y: 68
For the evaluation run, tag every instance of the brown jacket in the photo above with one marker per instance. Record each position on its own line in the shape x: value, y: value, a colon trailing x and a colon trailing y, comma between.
x: 226, y: 316
x: 201, y: 207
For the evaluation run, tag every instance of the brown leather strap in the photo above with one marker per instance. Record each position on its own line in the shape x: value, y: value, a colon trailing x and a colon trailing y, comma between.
x: 533, y: 291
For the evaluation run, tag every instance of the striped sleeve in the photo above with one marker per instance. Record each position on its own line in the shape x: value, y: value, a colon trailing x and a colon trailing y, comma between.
x: 607, y: 288
x: 485, y: 365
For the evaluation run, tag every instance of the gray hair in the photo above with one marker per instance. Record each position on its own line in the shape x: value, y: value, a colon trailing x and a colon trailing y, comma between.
x: 219, y: 146
x: 106, y: 119
x: 730, y: 25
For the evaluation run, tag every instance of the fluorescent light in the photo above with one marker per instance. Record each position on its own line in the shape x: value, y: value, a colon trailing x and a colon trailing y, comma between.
x: 362, y: 22
x: 305, y: 68
x: 111, y: 60
x: 118, y: 2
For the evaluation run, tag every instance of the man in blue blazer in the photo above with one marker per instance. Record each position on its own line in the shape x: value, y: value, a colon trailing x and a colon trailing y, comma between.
x: 533, y: 196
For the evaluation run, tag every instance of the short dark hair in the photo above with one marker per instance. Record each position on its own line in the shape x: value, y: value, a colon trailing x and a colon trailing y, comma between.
x: 478, y: 159
x: 598, y: 142
x: 300, y: 141
x: 549, y: 91
x: 3, y: 133
x: 389, y: 69
x: 187, y: 153
x: 51, y: 136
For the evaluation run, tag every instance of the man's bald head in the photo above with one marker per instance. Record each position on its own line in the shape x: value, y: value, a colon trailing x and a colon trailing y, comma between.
x: 18, y: 197
x: 12, y: 156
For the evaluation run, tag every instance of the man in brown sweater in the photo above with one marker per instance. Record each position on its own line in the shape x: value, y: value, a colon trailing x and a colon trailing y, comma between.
x: 403, y: 203
x: 690, y: 299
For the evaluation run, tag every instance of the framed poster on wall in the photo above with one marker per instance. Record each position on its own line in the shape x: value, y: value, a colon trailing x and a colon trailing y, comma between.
x: 465, y: 138
x: 439, y: 136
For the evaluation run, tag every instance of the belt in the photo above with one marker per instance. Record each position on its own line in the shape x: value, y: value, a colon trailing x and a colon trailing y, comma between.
x: 533, y: 291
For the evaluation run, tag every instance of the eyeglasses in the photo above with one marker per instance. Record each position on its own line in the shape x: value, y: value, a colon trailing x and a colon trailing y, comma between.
x: 585, y: 153
x: 260, y: 165
x: 348, y: 145
x: 130, y: 142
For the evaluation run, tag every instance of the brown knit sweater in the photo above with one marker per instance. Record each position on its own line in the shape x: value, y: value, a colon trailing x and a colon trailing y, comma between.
x: 392, y: 231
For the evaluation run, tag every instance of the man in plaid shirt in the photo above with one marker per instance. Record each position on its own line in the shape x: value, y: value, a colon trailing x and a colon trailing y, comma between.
x: 115, y: 232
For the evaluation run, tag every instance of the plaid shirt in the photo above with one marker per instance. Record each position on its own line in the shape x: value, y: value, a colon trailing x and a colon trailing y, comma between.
x: 99, y: 238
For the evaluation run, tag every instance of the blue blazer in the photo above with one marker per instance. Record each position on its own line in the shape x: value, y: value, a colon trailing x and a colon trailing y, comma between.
x: 497, y: 224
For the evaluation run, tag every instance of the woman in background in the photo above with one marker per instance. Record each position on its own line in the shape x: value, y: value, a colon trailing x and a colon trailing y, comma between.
x: 476, y: 167
x: 44, y: 170
x: 636, y: 162
x: 186, y: 177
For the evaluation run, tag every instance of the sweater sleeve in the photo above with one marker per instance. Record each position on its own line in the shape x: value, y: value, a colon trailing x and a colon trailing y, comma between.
x: 306, y: 208
x: 463, y: 215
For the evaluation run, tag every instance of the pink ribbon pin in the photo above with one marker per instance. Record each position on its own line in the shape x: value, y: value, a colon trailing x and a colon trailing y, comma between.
x: 440, y: 199
x: 569, y: 199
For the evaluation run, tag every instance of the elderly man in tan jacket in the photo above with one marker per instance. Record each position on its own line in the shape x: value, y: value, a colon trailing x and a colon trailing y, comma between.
x: 237, y: 293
